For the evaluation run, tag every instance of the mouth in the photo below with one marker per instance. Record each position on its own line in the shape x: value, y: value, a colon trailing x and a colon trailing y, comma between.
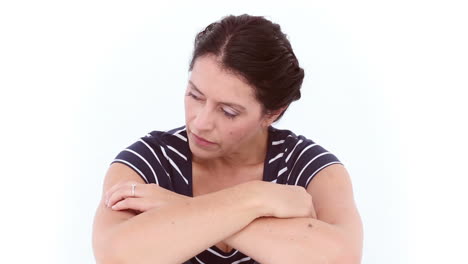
x: 203, y: 140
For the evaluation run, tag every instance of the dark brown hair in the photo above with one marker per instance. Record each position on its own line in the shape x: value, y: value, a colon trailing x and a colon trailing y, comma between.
x: 255, y: 49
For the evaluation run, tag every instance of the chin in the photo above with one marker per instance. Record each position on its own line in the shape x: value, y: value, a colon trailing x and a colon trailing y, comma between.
x: 202, y: 153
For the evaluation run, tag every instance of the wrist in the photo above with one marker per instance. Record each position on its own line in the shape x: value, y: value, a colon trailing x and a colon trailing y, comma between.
x: 255, y: 199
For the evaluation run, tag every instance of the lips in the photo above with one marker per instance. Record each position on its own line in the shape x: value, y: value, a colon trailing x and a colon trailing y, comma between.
x: 202, y: 139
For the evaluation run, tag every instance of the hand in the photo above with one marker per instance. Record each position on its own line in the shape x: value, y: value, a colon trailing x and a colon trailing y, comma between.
x: 284, y: 201
x: 147, y: 196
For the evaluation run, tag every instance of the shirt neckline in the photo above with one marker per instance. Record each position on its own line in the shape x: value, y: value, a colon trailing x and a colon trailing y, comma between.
x: 265, y: 162
x: 232, y: 252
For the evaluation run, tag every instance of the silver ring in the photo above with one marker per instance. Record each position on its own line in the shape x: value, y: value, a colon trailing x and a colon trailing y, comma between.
x: 133, y: 189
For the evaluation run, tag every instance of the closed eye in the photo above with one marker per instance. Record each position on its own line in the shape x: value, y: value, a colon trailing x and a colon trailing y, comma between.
x: 227, y: 114
x: 194, y: 96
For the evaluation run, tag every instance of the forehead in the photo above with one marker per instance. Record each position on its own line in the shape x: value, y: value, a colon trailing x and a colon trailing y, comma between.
x: 218, y: 84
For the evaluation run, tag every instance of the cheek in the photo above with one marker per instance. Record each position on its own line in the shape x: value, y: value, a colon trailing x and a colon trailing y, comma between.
x: 236, y: 135
x: 189, y: 108
x: 243, y: 132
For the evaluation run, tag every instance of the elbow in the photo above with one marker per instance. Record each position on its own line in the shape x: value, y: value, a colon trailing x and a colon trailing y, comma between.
x: 106, y: 260
x: 105, y: 251
x: 107, y: 257
x: 336, y: 250
x: 347, y: 258
x: 349, y: 245
x: 347, y: 254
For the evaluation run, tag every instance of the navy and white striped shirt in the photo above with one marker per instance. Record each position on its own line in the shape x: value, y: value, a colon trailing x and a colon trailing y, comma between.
x: 164, y: 158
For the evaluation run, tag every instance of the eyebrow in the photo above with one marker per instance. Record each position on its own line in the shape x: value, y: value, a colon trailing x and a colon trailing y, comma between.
x: 226, y: 103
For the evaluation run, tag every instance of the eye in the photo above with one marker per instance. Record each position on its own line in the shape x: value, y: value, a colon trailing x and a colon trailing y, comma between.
x: 228, y: 115
x: 193, y: 96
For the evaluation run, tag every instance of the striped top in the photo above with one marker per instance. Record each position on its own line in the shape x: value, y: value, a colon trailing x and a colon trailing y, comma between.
x: 164, y: 158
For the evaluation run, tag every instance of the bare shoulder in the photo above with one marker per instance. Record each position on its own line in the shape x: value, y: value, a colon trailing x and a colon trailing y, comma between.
x: 105, y: 218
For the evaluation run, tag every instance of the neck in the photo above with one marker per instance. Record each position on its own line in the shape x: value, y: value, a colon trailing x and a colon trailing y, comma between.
x: 252, y: 153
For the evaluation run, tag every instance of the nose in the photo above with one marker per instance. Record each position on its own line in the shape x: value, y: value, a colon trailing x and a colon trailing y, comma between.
x: 203, y: 120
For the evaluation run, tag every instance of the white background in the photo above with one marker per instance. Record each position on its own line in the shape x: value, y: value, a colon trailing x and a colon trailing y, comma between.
x: 384, y: 90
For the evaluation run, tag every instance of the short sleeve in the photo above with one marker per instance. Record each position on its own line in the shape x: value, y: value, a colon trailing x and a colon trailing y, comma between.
x: 312, y: 158
x: 144, y: 158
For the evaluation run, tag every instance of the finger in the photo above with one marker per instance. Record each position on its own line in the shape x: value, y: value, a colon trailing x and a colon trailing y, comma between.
x: 119, y: 194
x: 128, y: 203
x: 111, y: 190
x: 125, y: 191
x: 117, y: 185
x: 116, y: 191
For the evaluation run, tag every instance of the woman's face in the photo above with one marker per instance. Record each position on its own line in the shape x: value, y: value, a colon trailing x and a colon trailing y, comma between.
x: 222, y: 109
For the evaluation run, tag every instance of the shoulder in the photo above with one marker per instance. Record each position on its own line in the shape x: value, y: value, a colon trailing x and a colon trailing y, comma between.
x: 299, y: 155
x: 176, y: 136
x: 156, y: 153
x: 296, y: 146
x: 157, y: 140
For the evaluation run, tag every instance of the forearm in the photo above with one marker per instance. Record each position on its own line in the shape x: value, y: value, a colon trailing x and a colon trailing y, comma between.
x: 178, y: 232
x: 271, y: 240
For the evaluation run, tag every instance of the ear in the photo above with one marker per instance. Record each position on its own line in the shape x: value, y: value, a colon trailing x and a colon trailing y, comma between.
x: 270, y: 117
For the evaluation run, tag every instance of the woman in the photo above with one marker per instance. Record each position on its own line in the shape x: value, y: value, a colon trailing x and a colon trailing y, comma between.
x: 228, y: 187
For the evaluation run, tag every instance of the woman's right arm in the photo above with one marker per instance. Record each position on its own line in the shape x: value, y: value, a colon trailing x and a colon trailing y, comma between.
x: 171, y: 234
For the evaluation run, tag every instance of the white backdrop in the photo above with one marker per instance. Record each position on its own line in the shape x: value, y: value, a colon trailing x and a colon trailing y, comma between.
x: 384, y: 91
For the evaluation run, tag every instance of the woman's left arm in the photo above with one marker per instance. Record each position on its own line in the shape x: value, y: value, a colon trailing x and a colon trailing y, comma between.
x: 336, y: 236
